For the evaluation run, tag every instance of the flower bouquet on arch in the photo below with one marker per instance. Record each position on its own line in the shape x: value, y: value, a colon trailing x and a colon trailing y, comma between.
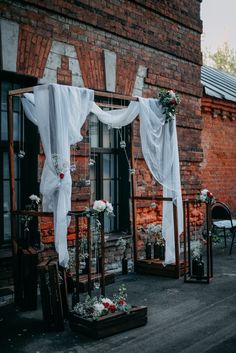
x: 169, y: 101
x: 206, y: 196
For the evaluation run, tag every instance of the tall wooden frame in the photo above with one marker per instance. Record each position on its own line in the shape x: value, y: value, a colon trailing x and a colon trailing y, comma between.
x: 188, y: 276
x: 162, y: 270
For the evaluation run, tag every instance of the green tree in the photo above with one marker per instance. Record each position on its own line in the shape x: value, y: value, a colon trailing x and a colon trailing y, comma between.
x: 223, y: 59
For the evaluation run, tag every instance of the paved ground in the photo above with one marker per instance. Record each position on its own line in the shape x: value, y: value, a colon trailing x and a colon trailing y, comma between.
x: 182, y: 318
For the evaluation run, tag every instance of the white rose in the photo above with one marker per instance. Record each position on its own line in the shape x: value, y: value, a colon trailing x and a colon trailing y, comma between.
x: 109, y: 207
x: 98, y: 307
x: 202, y: 197
x: 204, y: 192
x: 34, y: 198
x: 172, y: 94
x: 99, y: 205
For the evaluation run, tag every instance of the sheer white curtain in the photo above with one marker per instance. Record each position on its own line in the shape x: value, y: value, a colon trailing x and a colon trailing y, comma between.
x: 60, y: 112
x: 160, y: 151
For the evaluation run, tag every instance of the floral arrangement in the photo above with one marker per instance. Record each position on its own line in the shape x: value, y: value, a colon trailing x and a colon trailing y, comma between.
x: 103, y: 206
x: 60, y: 165
x: 206, y: 196
x: 154, y: 232
x: 196, y: 250
x: 123, y: 245
x: 100, y: 206
x: 153, y: 229
x: 93, y: 308
x: 33, y: 206
x: 169, y: 101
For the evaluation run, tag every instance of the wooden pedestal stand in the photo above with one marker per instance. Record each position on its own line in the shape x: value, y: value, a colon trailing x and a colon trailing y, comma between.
x: 109, y: 324
x: 155, y: 266
x: 84, y: 283
x: 188, y: 273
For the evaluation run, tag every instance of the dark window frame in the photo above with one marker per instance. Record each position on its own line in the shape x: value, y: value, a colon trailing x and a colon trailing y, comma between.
x: 27, y: 177
x: 122, y: 199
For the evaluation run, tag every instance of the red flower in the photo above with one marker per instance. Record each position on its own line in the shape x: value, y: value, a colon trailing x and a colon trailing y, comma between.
x: 106, y: 305
x: 121, y: 302
x: 173, y: 101
x: 209, y: 194
x: 61, y: 175
x: 104, y: 201
x: 112, y: 308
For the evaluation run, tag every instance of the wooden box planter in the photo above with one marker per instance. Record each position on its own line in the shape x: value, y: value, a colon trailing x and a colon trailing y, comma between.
x: 109, y: 324
x: 156, y: 268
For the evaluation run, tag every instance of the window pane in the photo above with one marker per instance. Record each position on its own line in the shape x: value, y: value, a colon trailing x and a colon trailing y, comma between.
x: 16, y: 126
x: 108, y: 166
x: 109, y: 190
x: 108, y: 137
x: 4, y: 126
x: 16, y: 104
x: 6, y: 86
x: 108, y: 224
x: 7, y: 226
x: 6, y: 166
x: 6, y: 196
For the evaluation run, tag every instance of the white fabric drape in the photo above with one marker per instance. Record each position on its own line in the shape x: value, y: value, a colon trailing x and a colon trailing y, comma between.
x: 160, y: 151
x: 60, y: 112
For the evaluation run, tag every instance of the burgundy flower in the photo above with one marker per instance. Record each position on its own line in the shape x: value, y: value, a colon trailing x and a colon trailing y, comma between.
x: 121, y: 302
x: 112, y: 308
x: 209, y: 194
x: 61, y: 175
x: 173, y: 101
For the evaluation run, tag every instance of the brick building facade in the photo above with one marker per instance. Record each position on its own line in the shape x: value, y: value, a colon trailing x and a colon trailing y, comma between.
x: 126, y: 47
x: 218, y: 135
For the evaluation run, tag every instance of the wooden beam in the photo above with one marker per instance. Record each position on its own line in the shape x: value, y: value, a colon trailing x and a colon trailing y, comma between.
x: 21, y: 91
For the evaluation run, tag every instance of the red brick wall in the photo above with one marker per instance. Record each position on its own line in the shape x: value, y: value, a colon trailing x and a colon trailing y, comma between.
x: 163, y: 36
x: 218, y: 142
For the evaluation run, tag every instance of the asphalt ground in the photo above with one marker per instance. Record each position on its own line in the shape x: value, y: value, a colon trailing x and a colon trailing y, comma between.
x: 182, y: 318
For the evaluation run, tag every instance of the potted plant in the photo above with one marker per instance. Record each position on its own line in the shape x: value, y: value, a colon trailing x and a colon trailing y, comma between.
x: 154, y: 231
x: 197, y: 261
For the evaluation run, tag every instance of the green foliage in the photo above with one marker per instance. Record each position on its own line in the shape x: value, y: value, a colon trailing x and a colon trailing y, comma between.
x: 223, y: 59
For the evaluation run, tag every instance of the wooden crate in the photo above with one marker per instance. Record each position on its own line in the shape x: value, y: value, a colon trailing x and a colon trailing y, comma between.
x: 156, y: 267
x: 109, y: 324
x: 25, y: 270
x: 53, y: 295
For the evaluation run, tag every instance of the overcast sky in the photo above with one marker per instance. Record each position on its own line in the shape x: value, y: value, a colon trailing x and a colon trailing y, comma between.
x: 219, y: 23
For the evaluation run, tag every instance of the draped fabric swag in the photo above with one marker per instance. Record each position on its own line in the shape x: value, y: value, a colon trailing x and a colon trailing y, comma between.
x: 60, y: 111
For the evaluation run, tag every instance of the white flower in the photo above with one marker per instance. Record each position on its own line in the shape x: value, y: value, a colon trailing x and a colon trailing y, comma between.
x: 98, y: 308
x: 203, y: 195
x: 172, y: 93
x: 204, y: 192
x: 99, y: 205
x: 109, y: 207
x: 34, y: 198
